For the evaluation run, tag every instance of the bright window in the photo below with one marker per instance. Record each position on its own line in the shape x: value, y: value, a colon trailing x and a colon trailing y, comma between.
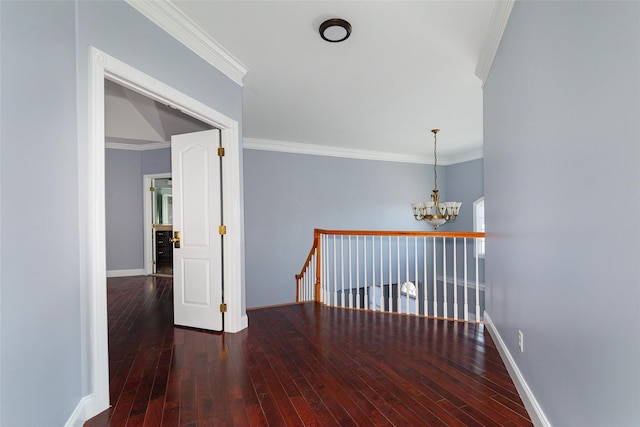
x: 478, y: 223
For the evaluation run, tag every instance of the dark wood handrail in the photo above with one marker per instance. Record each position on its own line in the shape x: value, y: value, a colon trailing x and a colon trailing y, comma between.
x: 316, y: 241
x: 460, y: 234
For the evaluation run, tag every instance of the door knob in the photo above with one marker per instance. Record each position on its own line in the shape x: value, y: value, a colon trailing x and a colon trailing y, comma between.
x: 176, y: 239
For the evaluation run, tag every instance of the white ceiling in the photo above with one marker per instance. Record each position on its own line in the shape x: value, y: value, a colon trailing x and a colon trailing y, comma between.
x: 136, y: 122
x: 408, y: 67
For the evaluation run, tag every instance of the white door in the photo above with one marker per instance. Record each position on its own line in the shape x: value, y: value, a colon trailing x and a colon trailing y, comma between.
x: 197, y: 262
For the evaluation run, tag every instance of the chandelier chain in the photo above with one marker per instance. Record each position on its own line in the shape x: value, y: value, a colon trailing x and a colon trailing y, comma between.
x: 435, y: 158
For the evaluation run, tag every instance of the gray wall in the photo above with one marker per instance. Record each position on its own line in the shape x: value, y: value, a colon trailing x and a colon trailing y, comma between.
x: 155, y: 161
x: 40, y: 345
x: 44, y: 343
x: 124, y: 210
x: 288, y: 195
x: 561, y: 151
x: 124, y: 200
x: 464, y: 183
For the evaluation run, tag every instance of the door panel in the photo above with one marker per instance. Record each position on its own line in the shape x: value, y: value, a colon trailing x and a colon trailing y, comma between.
x: 197, y: 288
x: 196, y: 271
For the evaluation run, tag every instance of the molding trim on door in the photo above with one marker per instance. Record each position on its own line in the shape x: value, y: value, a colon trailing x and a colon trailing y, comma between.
x: 92, y: 164
x: 147, y: 215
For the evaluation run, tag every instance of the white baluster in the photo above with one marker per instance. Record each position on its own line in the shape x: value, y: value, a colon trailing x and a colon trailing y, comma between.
x: 306, y: 279
x: 320, y: 267
x: 390, y: 278
x: 406, y: 273
x: 327, y: 275
x: 325, y: 271
x: 435, y: 281
x: 342, y: 268
x: 398, y: 266
x: 364, y: 262
x: 373, y: 273
x: 466, y: 296
x: 309, y: 278
x: 350, y: 277
x: 455, y: 279
x: 335, y: 273
x: 445, y: 285
x: 477, y: 286
x: 415, y: 263
x: 381, y: 277
x: 424, y: 260
x: 357, y: 273
x: 312, y: 280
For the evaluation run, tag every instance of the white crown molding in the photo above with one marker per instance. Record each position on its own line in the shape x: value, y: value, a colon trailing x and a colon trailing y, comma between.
x: 352, y: 153
x: 168, y: 17
x: 497, y: 24
x: 137, y: 147
x: 325, y: 150
x: 461, y: 158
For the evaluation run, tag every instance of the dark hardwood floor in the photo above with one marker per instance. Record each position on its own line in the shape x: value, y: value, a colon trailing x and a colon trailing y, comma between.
x: 303, y: 365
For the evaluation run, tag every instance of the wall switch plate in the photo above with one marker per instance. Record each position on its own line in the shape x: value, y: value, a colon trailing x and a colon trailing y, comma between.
x: 521, y: 340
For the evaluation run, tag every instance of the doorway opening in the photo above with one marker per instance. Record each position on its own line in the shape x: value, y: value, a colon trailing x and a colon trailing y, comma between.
x: 138, y: 132
x: 92, y: 163
x: 158, y: 211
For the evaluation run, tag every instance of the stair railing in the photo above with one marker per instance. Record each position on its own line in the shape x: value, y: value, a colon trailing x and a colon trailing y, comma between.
x: 308, y: 281
x: 436, y: 274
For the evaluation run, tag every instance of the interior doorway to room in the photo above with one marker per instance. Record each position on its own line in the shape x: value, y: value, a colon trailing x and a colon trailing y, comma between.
x: 160, y: 195
x: 148, y: 137
x: 138, y: 132
x: 104, y: 69
x: 182, y: 205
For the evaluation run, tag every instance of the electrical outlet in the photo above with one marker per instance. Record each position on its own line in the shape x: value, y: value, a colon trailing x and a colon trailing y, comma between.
x: 521, y: 340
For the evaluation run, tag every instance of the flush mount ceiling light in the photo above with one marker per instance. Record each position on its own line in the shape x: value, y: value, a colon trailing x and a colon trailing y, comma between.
x: 335, y: 30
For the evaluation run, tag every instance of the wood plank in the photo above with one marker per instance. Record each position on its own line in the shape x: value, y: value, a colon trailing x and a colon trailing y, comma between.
x: 299, y: 364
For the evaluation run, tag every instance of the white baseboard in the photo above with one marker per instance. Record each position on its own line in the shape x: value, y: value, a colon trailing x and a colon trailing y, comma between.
x: 533, y: 408
x: 126, y: 273
x: 81, y: 413
x: 237, y: 327
x: 244, y: 322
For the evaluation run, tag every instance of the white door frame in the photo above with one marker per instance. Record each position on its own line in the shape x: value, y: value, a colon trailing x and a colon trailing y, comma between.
x: 147, y: 181
x: 103, y: 66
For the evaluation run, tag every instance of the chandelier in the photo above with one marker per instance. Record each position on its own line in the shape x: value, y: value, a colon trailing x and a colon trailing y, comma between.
x: 436, y: 212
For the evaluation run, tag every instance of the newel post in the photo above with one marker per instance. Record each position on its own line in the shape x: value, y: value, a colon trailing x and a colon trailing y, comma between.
x: 316, y: 242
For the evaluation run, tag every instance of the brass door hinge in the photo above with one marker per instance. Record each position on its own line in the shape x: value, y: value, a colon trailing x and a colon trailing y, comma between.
x: 152, y: 189
x: 220, y: 151
x: 222, y: 230
x: 223, y: 308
